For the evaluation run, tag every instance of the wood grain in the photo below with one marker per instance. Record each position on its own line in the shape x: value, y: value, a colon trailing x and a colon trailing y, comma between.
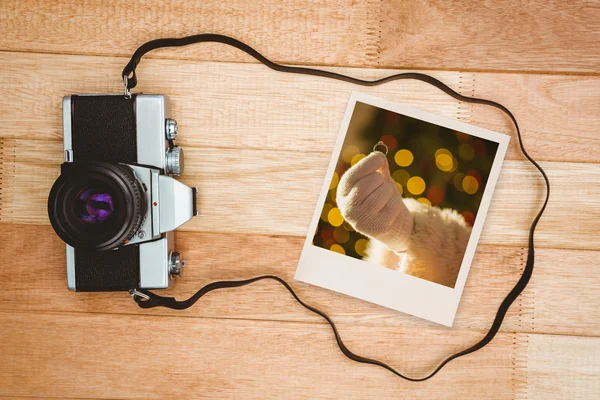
x: 197, y: 361
x: 556, y: 114
x: 258, y: 144
x: 223, y: 257
x: 269, y: 192
x: 341, y: 32
x: 576, y: 360
x: 536, y: 35
x: 175, y: 357
x: 561, y: 298
x: 251, y: 107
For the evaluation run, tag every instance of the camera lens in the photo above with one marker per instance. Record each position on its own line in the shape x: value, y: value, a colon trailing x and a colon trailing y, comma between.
x: 96, y: 206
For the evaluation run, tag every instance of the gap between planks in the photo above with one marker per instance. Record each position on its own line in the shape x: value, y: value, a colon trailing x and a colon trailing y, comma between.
x: 333, y: 66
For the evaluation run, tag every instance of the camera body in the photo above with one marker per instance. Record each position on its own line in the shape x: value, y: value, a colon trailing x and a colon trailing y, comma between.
x: 115, y: 204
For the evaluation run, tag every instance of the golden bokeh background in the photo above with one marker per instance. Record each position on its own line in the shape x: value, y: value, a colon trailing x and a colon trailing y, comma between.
x: 433, y: 164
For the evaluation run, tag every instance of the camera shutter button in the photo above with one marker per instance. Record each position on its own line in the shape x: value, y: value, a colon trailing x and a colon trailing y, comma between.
x: 174, y: 161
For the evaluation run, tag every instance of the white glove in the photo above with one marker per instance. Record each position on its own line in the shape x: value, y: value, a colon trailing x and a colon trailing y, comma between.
x: 433, y: 239
x: 370, y: 201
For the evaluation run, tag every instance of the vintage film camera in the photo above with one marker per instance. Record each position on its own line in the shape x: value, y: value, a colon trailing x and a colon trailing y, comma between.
x: 114, y: 203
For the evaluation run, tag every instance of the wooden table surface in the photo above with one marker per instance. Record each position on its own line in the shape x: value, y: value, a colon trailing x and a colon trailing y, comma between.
x: 258, y: 144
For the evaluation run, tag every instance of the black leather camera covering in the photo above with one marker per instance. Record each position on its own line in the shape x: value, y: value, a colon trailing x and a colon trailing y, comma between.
x: 111, y: 270
x: 103, y: 128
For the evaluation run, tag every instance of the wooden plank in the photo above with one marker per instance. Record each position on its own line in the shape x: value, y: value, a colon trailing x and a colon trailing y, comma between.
x: 276, y: 193
x: 343, y: 32
x: 249, y: 106
x: 38, y: 398
x: 257, y: 136
x: 106, y: 356
x: 565, y: 293
x: 511, y: 35
x: 557, y: 300
x: 538, y: 35
x: 562, y: 367
x: 556, y: 114
x: 223, y: 257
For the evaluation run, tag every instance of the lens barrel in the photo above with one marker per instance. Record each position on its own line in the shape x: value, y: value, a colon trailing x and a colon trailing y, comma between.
x: 96, y: 206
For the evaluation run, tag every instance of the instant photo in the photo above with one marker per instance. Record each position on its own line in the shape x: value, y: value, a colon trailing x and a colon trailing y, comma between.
x: 402, y: 208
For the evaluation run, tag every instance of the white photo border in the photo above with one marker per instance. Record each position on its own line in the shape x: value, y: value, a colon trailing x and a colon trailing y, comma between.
x: 380, y: 285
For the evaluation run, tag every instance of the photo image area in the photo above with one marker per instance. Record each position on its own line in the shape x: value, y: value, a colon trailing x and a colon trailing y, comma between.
x: 439, y: 173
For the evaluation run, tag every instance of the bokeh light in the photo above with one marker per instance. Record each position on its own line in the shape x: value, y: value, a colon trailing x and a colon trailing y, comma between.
x: 357, y: 158
x: 334, y: 181
x: 469, y: 217
x: 444, y: 162
x: 327, y: 233
x: 337, y: 248
x: 341, y: 235
x: 400, y: 189
x: 404, y: 157
x: 361, y: 247
x: 424, y: 200
x: 416, y: 185
x: 390, y: 142
x: 457, y: 181
x: 335, y: 217
x: 475, y: 175
x: 326, y: 208
x: 435, y: 194
x: 470, y: 184
x: 454, y: 164
x: 441, y: 151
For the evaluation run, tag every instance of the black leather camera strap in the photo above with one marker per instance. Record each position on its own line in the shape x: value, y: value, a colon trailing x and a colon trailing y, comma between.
x: 147, y: 299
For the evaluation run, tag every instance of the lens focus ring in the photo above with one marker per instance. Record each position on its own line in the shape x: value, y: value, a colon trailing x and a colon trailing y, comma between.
x: 96, y: 206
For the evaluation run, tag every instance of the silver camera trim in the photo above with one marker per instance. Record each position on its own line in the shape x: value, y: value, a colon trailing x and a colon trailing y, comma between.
x: 170, y: 203
x: 151, y: 112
